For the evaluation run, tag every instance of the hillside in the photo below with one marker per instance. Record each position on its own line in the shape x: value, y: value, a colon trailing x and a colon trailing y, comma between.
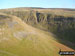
x: 60, y: 21
x: 35, y: 33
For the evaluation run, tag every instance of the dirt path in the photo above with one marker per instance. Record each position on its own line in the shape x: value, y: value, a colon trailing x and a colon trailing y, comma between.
x: 63, y: 47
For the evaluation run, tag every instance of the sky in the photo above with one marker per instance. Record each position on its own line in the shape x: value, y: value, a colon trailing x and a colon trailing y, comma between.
x: 37, y: 3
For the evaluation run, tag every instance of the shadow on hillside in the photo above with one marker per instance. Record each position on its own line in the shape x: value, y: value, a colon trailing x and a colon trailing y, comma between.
x: 68, y: 37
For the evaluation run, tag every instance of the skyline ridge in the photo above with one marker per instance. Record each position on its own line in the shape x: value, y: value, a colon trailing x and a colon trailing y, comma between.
x: 37, y: 3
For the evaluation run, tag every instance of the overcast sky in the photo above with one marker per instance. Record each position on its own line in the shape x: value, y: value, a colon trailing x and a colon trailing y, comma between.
x: 37, y: 3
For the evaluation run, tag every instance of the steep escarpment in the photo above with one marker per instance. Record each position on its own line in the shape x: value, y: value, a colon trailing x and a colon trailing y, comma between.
x: 35, y: 32
x: 20, y: 39
x: 61, y: 23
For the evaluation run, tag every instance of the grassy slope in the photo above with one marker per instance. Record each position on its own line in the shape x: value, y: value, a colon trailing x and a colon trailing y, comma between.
x: 34, y: 42
x: 28, y: 41
x: 58, y: 21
